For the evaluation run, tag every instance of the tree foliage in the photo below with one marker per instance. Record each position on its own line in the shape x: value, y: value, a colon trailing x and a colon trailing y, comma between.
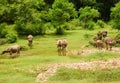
x: 87, y: 16
x: 30, y: 17
x: 62, y: 11
x: 33, y: 16
x: 115, y: 16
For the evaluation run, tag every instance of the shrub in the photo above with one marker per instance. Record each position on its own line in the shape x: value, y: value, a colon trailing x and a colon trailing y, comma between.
x: 91, y: 25
x: 60, y: 31
x: 30, y: 28
x: 117, y: 40
x: 11, y: 37
x: 3, y: 30
x: 101, y: 23
x: 2, y: 41
x: 71, y: 25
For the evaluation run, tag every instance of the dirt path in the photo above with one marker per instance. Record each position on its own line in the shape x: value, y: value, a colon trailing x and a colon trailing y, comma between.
x: 98, y: 64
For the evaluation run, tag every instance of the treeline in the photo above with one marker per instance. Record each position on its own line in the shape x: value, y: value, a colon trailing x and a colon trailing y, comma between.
x: 23, y: 17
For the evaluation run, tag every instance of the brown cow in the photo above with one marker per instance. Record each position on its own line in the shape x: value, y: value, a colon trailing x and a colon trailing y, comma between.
x: 12, y: 49
x: 109, y: 42
x: 99, y: 35
x: 30, y: 40
x: 104, y: 33
x: 64, y: 47
x: 99, y: 44
x: 61, y: 45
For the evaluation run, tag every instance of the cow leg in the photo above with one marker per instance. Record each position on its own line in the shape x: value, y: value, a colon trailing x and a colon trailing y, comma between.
x: 18, y: 53
x: 59, y: 51
x: 64, y: 52
x: 10, y: 54
x: 107, y: 46
x: 30, y: 43
x: 110, y: 47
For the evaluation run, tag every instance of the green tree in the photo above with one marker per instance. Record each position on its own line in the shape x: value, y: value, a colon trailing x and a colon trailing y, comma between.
x: 7, y: 11
x: 31, y: 16
x: 115, y: 16
x: 87, y: 16
x: 62, y: 11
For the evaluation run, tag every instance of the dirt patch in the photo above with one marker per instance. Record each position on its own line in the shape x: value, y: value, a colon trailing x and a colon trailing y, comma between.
x: 89, y: 51
x: 98, y: 64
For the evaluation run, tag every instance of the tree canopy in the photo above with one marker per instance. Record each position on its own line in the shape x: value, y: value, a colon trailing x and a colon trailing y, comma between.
x: 115, y: 16
x: 35, y: 16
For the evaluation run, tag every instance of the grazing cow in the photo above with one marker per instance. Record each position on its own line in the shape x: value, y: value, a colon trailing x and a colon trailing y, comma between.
x: 30, y: 40
x: 61, y: 45
x: 99, y: 44
x: 12, y: 49
x: 104, y: 33
x: 109, y: 42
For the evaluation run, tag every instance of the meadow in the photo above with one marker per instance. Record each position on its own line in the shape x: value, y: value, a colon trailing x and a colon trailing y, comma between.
x: 33, y: 61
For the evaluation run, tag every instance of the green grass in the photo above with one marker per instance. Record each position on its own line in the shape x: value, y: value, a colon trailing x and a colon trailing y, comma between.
x: 31, y: 62
x: 64, y: 74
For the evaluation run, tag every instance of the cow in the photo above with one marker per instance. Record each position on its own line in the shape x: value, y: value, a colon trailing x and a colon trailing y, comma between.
x: 109, y: 42
x: 30, y: 40
x: 99, y: 35
x: 12, y: 49
x: 59, y: 46
x: 62, y: 47
x: 104, y: 33
x: 99, y: 44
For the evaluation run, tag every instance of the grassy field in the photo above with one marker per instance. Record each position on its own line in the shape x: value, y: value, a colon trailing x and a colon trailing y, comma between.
x: 31, y: 62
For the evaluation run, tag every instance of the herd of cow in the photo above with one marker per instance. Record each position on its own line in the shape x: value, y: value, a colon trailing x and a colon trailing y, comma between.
x: 99, y: 40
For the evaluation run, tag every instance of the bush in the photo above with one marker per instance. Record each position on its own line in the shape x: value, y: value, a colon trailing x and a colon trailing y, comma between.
x: 91, y: 25
x: 3, y: 30
x: 2, y: 41
x: 11, y: 37
x: 71, y: 25
x: 60, y: 31
x: 117, y: 40
x: 29, y: 28
x: 101, y: 23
